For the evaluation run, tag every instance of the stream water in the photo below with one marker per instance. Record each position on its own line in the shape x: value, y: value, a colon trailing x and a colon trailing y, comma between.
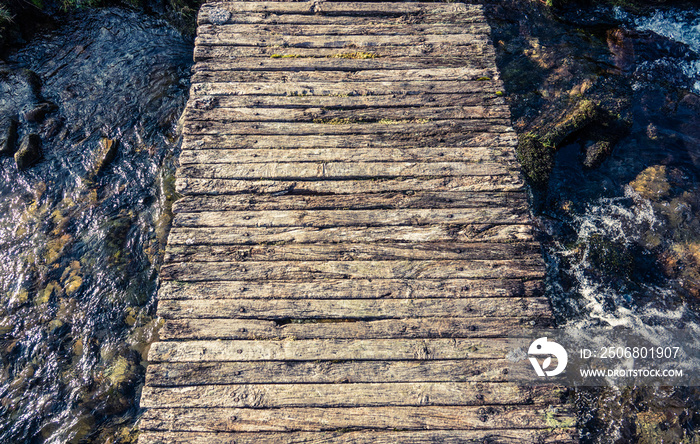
x: 80, y: 239
x: 80, y: 242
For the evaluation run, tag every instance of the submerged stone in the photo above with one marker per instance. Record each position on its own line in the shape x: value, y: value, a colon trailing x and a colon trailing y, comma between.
x: 39, y: 112
x: 104, y: 155
x: 8, y: 136
x: 29, y: 151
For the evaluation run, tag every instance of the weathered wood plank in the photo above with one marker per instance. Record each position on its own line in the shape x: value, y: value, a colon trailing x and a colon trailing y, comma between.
x: 281, y: 309
x: 330, y: 350
x: 352, y: 218
x: 360, y: 88
x: 427, y: 155
x: 286, y: 270
x: 434, y: 128
x: 376, y: 27
x: 420, y: 199
x: 326, y: 64
x: 340, y: 395
x: 352, y: 289
x: 434, y: 233
x: 317, y: 103
x: 470, y: 14
x: 346, y: 115
x: 476, y: 55
x: 414, y: 140
x: 338, y: 170
x: 373, y: 418
x: 340, y: 41
x: 527, y: 251
x: 199, y: 329
x: 498, y: 436
x: 327, y: 372
x: 509, y: 183
x: 339, y: 8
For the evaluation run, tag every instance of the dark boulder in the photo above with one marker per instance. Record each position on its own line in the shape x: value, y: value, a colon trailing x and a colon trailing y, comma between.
x: 8, y: 136
x: 29, y: 151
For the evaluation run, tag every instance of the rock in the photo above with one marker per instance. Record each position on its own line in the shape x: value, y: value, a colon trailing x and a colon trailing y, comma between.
x: 103, y: 156
x: 652, y: 183
x: 8, y: 136
x: 596, y: 153
x: 582, y: 115
x: 38, y: 113
x: 536, y: 158
x: 29, y: 151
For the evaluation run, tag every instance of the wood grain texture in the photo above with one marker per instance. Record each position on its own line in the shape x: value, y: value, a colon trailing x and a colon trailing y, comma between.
x: 302, y: 328
x: 359, y: 201
x: 280, y: 309
x: 352, y: 289
x: 492, y: 436
x: 306, y: 235
x: 520, y: 418
x: 413, y: 140
x: 327, y: 372
x: 345, y: 395
x: 527, y: 251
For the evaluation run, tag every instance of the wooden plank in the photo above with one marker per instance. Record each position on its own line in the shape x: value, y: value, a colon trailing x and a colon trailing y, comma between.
x: 469, y: 16
x: 339, y: 8
x: 260, y: 396
x: 376, y: 27
x: 360, y: 88
x: 413, y: 140
x: 344, y: 289
x: 346, y: 115
x: 476, y: 55
x: 352, y: 218
x: 338, y: 170
x: 348, y: 64
x: 527, y: 251
x: 434, y: 233
x: 199, y: 329
x: 291, y: 270
x: 499, y: 436
x: 420, y: 199
x: 328, y: 372
x: 339, y: 41
x: 509, y: 183
x: 427, y: 155
x: 435, y: 128
x: 310, y: 103
x: 281, y: 309
x: 330, y: 350
x: 520, y: 418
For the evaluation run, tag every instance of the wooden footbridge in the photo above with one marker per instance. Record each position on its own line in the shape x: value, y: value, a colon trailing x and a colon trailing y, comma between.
x: 353, y: 242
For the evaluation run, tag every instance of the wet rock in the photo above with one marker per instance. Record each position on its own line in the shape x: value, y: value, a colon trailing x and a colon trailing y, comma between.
x: 38, y: 113
x: 103, y: 156
x: 652, y: 183
x: 29, y: 151
x: 8, y: 136
x: 596, y: 153
x: 536, y: 159
x: 585, y: 113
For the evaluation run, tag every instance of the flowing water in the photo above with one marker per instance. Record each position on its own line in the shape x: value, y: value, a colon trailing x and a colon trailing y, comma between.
x: 81, y: 238
x: 622, y: 240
